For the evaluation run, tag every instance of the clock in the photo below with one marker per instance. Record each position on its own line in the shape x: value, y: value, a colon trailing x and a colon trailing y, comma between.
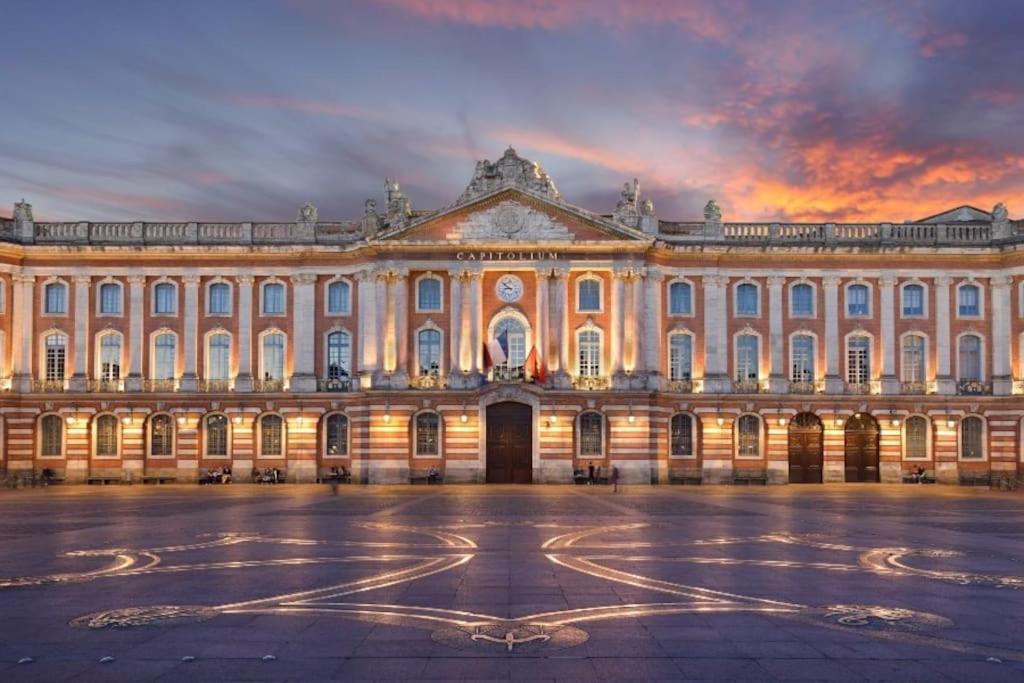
x: 509, y: 288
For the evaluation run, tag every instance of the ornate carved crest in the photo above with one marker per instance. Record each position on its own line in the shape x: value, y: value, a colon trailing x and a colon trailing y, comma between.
x: 512, y: 220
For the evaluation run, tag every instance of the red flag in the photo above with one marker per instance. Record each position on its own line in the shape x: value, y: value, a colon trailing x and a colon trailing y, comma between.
x: 535, y: 366
x: 487, y: 359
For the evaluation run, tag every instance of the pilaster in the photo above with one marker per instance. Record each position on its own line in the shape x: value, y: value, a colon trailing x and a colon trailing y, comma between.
x: 303, y: 377
x: 22, y: 333
x: 561, y: 378
x: 136, y: 345
x: 944, y: 381
x: 243, y: 380
x: 1002, y: 381
x: 651, y: 327
x: 78, y: 380
x: 190, y: 378
x: 778, y: 382
x: 833, y: 380
x: 716, y: 378
x: 890, y: 382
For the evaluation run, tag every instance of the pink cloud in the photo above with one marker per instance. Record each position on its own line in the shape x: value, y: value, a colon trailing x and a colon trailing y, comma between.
x: 306, y: 106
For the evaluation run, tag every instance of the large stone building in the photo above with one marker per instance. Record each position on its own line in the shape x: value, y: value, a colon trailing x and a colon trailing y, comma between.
x: 513, y: 336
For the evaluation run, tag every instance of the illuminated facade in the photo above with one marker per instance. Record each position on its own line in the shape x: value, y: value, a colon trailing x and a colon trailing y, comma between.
x: 694, y: 351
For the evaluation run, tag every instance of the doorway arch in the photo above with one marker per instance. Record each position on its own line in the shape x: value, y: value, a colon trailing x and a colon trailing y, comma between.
x: 806, y: 449
x: 861, y: 448
x: 509, y: 445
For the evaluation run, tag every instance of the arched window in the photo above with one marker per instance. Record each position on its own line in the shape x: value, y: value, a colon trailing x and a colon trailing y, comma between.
x: 748, y: 436
x: 273, y: 298
x: 165, y: 299
x: 969, y: 353
x: 273, y: 356
x: 216, y: 427
x: 746, y: 299
x: 511, y: 334
x: 161, y: 436
x: 336, y: 435
x: 110, y: 357
x: 681, y: 430
x: 680, y: 299
x: 858, y: 359
x: 972, y: 438
x: 271, y: 436
x: 801, y: 301
x: 591, y: 427
x: 165, y: 357
x: 680, y: 357
x: 747, y: 358
x: 218, y: 356
x: 969, y: 301
x: 588, y: 299
x: 590, y: 353
x: 52, y: 437
x: 339, y: 298
x: 110, y: 298
x: 913, y: 359
x: 802, y: 358
x: 857, y: 300
x: 56, y: 357
x: 429, y: 352
x: 916, y: 443
x: 913, y: 301
x: 428, y: 294
x: 220, y: 299
x: 428, y: 434
x: 106, y: 436
x: 339, y: 355
x: 56, y: 302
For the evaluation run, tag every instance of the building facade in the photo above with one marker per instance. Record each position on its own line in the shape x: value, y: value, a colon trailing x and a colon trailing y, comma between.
x: 514, y: 337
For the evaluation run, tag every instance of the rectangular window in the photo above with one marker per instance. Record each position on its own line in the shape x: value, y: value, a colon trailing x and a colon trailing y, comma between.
x: 857, y: 300
x: 802, y: 369
x: 802, y: 300
x: 220, y: 299
x: 747, y: 365
x: 746, y: 299
x: 110, y: 299
x: 218, y: 362
x: 589, y: 296
x: 338, y: 298
x: 166, y: 299
x: 969, y: 301
x: 913, y: 300
x: 273, y: 299
x: 680, y: 299
x: 858, y: 367
x: 590, y: 354
x: 680, y: 357
x: 56, y: 299
x: 56, y: 353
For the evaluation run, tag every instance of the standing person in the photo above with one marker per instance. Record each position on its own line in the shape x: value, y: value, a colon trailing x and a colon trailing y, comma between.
x: 590, y: 473
x: 615, y: 479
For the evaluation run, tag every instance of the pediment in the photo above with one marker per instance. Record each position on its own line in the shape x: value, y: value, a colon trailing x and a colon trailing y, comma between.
x: 961, y: 214
x: 512, y: 215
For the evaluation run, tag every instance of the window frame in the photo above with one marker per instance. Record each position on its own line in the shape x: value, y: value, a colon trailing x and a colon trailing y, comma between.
x: 747, y: 332
x: 960, y: 438
x: 262, y: 354
x: 44, y: 303
x: 982, y: 350
x: 418, y: 366
x: 210, y: 313
x: 348, y: 436
x: 43, y: 353
x: 924, y: 300
x: 980, y: 315
x: 273, y: 281
x: 41, y: 440
x: 415, y: 429
x: 337, y: 280
x: 904, y: 441
x: 793, y: 314
x: 154, y: 286
x: 207, y: 346
x: 109, y: 282
x: 429, y: 275
x: 589, y: 277
x: 870, y: 300
x: 98, y: 355
x: 694, y: 436
x: 95, y: 429
x: 260, y: 455
x: 228, y: 434
x: 600, y: 350
x: 153, y: 337
x: 760, y: 436
x: 668, y: 298
x: 580, y: 455
x: 327, y: 353
x: 814, y: 355
x: 149, y: 436
x: 924, y: 356
x: 668, y: 350
x: 746, y: 282
x: 869, y: 358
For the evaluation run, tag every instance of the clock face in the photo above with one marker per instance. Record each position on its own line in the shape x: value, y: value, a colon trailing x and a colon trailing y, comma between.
x: 509, y: 288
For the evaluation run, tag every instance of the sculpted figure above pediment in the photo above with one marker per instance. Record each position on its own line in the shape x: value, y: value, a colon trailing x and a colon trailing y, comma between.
x: 511, y: 170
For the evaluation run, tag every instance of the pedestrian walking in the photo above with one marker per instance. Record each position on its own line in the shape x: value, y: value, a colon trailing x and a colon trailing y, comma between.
x: 615, y: 479
x: 590, y: 472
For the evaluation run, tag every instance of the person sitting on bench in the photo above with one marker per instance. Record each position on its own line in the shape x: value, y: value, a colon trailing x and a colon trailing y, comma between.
x: 918, y: 474
x: 433, y: 474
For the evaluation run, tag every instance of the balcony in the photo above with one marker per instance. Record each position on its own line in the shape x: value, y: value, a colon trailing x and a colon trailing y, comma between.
x: 680, y: 386
x: 973, y: 387
x: 913, y: 388
x: 159, y: 385
x: 49, y: 386
x: 428, y: 382
x: 334, y: 384
x: 504, y: 373
x: 104, y: 385
x: 214, y: 385
x: 267, y: 386
x: 858, y: 388
x: 805, y: 387
x: 746, y: 386
x: 592, y: 383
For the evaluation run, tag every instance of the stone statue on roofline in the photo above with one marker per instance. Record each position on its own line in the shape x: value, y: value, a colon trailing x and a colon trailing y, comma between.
x: 1001, y: 228
x: 999, y: 213
x: 22, y: 211
x: 308, y: 213
x: 712, y: 212
x: 627, y: 210
x: 399, y: 208
x: 370, y: 222
x: 511, y: 170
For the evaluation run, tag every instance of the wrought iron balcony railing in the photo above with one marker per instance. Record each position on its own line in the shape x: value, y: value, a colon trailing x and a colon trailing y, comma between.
x: 49, y: 386
x: 214, y: 385
x: 746, y: 386
x: 913, y: 387
x: 805, y: 387
x: 267, y: 386
x: 592, y: 383
x: 159, y: 385
x: 973, y: 387
x: 334, y: 384
x: 428, y: 382
x: 858, y: 387
x: 104, y: 385
x: 504, y: 373
x: 681, y: 386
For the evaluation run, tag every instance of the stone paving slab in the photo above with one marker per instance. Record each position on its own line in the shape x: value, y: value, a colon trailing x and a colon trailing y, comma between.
x: 512, y: 583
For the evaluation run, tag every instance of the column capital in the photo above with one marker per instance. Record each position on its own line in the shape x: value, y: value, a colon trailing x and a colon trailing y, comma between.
x: 22, y: 278
x: 560, y: 272
x: 365, y: 275
x: 1000, y: 281
x: 654, y: 274
x: 136, y: 279
x: 943, y: 281
x: 304, y: 279
x: 190, y: 279
x: 456, y: 273
x: 716, y: 280
x: 776, y: 281
x: 831, y: 280
x: 887, y: 280
x: 82, y: 280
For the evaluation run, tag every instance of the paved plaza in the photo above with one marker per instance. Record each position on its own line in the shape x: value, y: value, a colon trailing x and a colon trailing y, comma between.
x: 541, y: 583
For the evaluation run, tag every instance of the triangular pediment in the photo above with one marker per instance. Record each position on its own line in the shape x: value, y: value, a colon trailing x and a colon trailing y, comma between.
x: 512, y: 215
x: 961, y: 214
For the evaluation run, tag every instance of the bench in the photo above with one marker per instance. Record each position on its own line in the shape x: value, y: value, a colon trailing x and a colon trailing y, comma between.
x: 926, y: 478
x: 748, y: 477
x: 684, y: 477
x: 418, y: 476
x: 104, y: 480
x: 331, y: 478
x: 158, y: 479
x: 975, y: 479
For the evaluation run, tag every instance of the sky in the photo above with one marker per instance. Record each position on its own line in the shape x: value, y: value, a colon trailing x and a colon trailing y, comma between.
x: 781, y: 110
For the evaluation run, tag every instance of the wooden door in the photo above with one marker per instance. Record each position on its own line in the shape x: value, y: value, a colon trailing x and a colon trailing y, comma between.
x: 861, y: 445
x: 806, y: 449
x: 509, y: 443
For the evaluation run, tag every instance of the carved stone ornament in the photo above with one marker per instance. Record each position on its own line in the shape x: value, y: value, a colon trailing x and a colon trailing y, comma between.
x: 399, y: 208
x: 627, y: 210
x: 510, y: 170
x: 1000, y: 214
x: 308, y: 213
x: 712, y: 212
x: 22, y: 211
x: 511, y: 220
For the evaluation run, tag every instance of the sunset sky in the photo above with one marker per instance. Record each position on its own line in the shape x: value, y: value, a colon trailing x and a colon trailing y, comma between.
x: 244, y: 110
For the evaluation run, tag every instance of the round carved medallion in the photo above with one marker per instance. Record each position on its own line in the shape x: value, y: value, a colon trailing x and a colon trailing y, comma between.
x: 510, y: 219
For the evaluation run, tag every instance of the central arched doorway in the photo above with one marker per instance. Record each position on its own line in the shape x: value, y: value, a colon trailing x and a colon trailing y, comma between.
x: 861, y: 447
x: 806, y: 449
x: 509, y: 443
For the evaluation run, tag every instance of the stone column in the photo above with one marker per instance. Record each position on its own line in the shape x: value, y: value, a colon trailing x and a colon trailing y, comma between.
x: 477, y: 314
x: 716, y: 344
x: 79, y: 378
x: 944, y: 381
x: 778, y: 380
x: 634, y: 357
x: 384, y: 321
x: 651, y: 327
x: 455, y: 323
x: 21, y: 333
x: 303, y: 377
x: 540, y: 334
x: 466, y: 354
x: 190, y: 378
x: 367, y: 326
x: 561, y: 378
x: 136, y: 344
x: 833, y: 380
x: 400, y: 297
x: 243, y: 380
x: 887, y: 301
x: 618, y: 318
x: 1002, y: 380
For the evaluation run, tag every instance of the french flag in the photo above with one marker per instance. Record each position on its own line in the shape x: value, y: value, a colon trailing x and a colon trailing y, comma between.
x: 496, y: 350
